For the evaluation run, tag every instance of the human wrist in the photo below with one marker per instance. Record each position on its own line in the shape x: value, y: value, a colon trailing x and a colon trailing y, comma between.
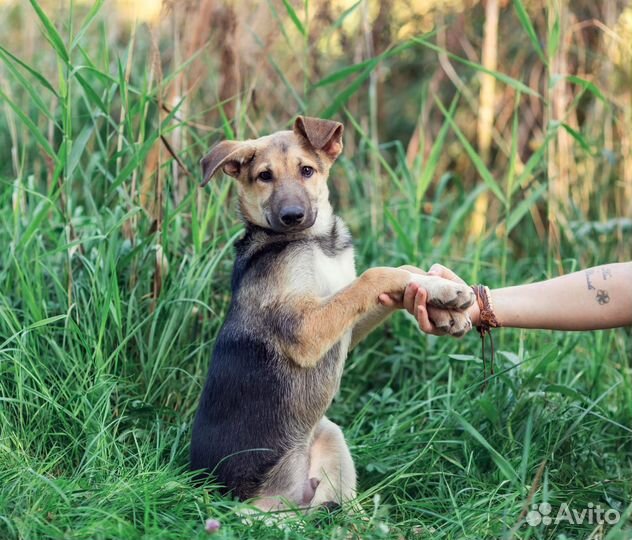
x: 474, y: 313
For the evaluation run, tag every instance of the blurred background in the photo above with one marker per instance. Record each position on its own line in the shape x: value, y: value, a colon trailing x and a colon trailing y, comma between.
x: 543, y: 89
x: 493, y: 136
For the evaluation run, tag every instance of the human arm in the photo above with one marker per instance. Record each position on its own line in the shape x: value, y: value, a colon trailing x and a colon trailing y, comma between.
x: 591, y: 299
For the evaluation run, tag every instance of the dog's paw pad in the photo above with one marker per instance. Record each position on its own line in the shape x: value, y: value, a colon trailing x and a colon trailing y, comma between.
x: 465, y: 297
x: 451, y: 322
x: 461, y: 298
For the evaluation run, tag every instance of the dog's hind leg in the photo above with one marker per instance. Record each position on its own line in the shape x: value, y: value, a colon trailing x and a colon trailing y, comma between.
x: 287, y: 484
x: 331, y: 468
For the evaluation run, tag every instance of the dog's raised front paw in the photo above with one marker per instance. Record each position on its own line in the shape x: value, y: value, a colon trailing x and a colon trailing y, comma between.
x: 444, y: 293
x: 451, y: 322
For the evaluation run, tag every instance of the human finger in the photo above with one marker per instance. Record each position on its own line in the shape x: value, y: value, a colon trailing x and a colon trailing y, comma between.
x: 444, y: 272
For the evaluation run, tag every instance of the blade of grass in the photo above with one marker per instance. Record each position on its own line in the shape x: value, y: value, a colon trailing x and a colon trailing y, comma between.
x: 392, y: 174
x: 525, y: 21
x: 579, y: 138
x: 34, y: 95
x: 87, y: 22
x: 482, y: 169
x: 32, y: 127
x: 51, y: 33
x: 553, y: 42
x: 345, y: 95
x: 344, y: 72
x: 42, y: 80
x: 509, y: 81
x: 503, y: 465
x: 524, y: 206
x: 338, y: 22
x: 432, y: 163
x: 402, y: 235
x: 91, y: 94
x: 294, y: 17
x: 587, y: 85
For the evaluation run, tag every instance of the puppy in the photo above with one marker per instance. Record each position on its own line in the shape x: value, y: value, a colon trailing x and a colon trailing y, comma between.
x: 297, y: 309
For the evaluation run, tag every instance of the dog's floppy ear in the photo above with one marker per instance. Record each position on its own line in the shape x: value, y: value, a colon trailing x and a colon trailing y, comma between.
x: 324, y: 135
x: 229, y: 155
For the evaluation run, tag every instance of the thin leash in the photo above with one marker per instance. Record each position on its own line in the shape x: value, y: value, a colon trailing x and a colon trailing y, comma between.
x: 487, y: 321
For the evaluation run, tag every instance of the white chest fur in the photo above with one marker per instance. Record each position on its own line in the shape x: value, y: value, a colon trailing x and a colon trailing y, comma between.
x: 332, y: 273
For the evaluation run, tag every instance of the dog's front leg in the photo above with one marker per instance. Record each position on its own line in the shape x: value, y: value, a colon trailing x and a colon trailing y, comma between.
x: 377, y: 315
x: 370, y: 322
x: 380, y: 313
x: 322, y: 323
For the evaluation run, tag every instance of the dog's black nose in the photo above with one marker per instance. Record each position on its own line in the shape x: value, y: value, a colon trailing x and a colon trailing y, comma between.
x: 292, y: 215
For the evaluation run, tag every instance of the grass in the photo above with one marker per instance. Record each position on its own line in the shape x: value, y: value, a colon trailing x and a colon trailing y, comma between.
x: 114, y: 279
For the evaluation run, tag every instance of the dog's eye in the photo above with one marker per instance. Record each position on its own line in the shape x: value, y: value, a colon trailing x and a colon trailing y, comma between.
x: 265, y: 176
x: 307, y: 171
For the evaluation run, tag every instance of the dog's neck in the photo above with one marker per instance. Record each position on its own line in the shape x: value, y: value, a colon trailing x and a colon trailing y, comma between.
x: 324, y: 220
x: 329, y: 233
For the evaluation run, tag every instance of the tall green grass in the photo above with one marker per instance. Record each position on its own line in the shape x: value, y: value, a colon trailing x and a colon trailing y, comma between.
x: 114, y: 281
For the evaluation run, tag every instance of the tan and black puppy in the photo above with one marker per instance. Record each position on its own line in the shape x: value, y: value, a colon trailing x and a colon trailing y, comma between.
x: 297, y: 309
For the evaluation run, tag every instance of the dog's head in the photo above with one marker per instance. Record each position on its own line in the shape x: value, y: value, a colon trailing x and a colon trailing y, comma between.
x: 282, y: 177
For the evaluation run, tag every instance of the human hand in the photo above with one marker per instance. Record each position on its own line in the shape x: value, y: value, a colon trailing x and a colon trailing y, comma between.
x: 414, y: 301
x: 431, y: 319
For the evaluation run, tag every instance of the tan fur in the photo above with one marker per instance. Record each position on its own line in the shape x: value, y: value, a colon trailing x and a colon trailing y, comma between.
x: 331, y: 464
x: 324, y: 322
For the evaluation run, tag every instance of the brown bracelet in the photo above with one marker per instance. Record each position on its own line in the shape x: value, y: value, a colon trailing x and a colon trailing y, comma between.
x: 486, y: 321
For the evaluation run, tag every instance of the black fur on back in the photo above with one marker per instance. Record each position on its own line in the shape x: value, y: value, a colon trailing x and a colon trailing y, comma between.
x: 256, y: 403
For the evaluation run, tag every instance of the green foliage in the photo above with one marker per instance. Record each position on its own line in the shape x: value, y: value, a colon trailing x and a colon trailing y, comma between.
x: 114, y: 281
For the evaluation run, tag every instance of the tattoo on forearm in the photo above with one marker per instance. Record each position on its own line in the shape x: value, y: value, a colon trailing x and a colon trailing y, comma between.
x: 589, y: 284
x: 602, y: 297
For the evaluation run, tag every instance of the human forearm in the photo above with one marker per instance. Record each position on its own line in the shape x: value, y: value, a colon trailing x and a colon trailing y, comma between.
x: 596, y: 298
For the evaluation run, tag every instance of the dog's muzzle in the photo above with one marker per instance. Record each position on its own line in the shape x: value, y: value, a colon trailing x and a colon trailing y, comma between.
x: 292, y: 216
